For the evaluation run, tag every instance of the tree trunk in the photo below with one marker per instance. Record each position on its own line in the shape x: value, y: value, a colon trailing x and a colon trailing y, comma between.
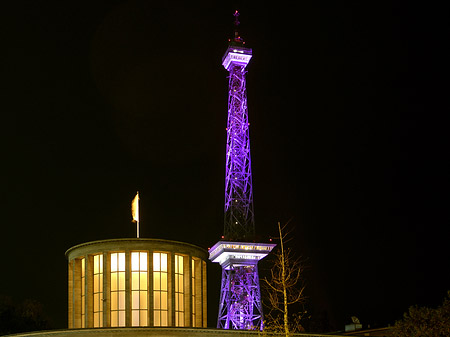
x: 283, y: 273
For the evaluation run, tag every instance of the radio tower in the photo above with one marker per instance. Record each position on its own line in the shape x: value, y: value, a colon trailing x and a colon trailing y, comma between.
x: 240, y: 304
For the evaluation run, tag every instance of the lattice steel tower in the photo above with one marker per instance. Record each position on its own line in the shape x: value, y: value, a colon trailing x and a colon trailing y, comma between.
x: 240, y: 304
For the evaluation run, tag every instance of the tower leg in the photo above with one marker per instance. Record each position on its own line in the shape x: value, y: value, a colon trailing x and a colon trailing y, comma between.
x: 222, y: 319
x: 240, y: 304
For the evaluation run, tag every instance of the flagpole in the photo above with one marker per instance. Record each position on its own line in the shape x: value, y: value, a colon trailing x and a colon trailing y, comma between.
x: 137, y: 222
x: 135, y: 212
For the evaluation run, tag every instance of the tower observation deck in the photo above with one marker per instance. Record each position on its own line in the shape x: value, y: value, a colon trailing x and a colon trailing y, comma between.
x: 240, y: 304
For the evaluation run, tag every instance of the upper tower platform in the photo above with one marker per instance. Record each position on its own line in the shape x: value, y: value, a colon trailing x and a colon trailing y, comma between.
x: 236, y: 55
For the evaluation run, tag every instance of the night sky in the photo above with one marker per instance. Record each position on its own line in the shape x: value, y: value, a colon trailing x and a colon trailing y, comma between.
x: 349, y: 111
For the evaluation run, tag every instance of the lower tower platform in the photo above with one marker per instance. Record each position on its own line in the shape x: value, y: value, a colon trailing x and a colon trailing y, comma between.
x: 240, y: 305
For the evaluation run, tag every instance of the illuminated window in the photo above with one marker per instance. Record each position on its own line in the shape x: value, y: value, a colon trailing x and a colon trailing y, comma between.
x: 98, y: 290
x: 139, y: 288
x: 179, y: 291
x: 202, y: 302
x: 160, y: 313
x: 117, y: 289
x: 193, y: 292
x: 83, y: 292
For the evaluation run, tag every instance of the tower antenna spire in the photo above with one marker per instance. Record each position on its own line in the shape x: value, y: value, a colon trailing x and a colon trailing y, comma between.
x: 236, y: 18
x: 237, y: 37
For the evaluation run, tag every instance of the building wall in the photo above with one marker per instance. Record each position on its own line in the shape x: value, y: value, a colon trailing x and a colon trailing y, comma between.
x: 158, y: 332
x: 139, y: 278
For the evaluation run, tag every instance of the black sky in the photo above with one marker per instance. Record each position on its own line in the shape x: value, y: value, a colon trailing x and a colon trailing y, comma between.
x: 349, y: 111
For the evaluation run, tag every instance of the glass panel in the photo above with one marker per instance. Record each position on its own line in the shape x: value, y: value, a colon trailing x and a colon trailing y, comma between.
x: 114, y: 303
x: 96, y: 283
x: 135, y: 318
x: 135, y: 300
x: 121, y: 281
x: 121, y: 261
x: 180, y: 264
x: 114, y: 321
x: 114, y: 262
x: 121, y: 318
x: 176, y: 283
x: 163, y: 262
x: 96, y: 302
x: 157, y: 318
x: 143, y: 281
x: 96, y: 264
x: 96, y: 319
x: 82, y: 267
x: 121, y: 300
x: 143, y: 317
x: 113, y: 281
x: 157, y: 300
x: 135, y: 261
x: 143, y: 261
x: 156, y: 281
x: 100, y: 283
x: 156, y: 262
x: 163, y: 281
x: 135, y: 280
x: 163, y: 318
x: 143, y: 299
x: 164, y: 300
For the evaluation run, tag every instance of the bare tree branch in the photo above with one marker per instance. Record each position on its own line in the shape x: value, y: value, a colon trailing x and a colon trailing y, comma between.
x: 285, y: 287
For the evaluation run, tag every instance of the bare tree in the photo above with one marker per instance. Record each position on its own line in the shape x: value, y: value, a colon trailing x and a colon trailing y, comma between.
x: 285, y: 288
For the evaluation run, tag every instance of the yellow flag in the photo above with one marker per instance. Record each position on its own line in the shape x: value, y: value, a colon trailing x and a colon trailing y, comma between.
x: 135, y: 208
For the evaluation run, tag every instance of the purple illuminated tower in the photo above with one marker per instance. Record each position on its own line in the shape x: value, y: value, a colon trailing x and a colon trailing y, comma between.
x: 240, y: 304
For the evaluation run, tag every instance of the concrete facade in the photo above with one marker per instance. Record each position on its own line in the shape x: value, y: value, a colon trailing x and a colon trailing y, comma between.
x: 81, y: 312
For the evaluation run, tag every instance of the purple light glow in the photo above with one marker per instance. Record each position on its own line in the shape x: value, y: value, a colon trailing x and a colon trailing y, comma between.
x: 240, y: 304
x: 240, y: 299
x: 239, y: 218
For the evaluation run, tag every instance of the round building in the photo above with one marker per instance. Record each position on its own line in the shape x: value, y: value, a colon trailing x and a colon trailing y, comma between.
x: 137, y: 282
